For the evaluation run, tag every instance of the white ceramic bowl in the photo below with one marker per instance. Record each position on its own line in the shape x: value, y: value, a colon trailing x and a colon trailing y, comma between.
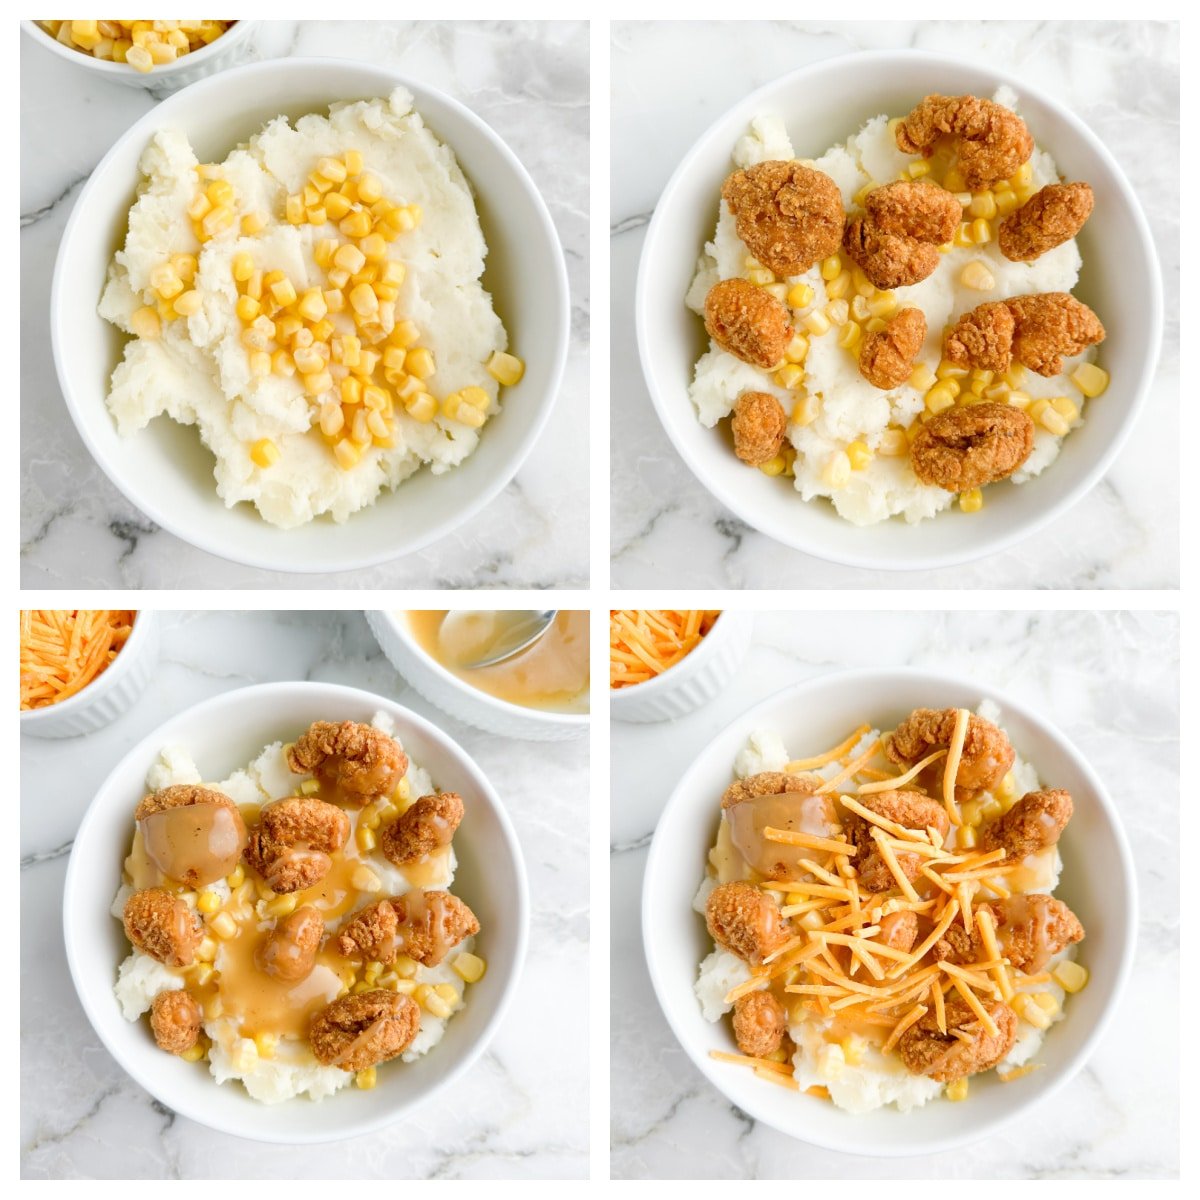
x: 222, y: 734
x: 107, y: 697
x: 694, y: 681
x: 228, y: 49
x: 1097, y: 882
x: 824, y: 104
x: 458, y: 698
x: 165, y: 470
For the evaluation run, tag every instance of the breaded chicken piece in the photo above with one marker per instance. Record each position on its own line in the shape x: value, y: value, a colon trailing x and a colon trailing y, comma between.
x: 188, y: 795
x: 964, y: 448
x: 424, y: 925
x: 958, y: 946
x: 992, y: 140
x: 745, y: 921
x: 759, y: 1024
x: 986, y: 756
x: 290, y: 949
x: 423, y: 830
x: 1052, y: 326
x: 899, y: 930
x: 747, y: 322
x: 175, y: 1021
x: 770, y: 783
x: 291, y: 845
x: 919, y: 210
x: 789, y: 215
x: 361, y: 760
x: 886, y: 357
x: 1032, y: 928
x: 360, y: 1031
x: 162, y: 926
x: 1033, y: 823
x: 1035, y: 330
x: 925, y: 1050
x: 759, y: 427
x: 1047, y: 219
x: 889, y: 260
x: 910, y: 809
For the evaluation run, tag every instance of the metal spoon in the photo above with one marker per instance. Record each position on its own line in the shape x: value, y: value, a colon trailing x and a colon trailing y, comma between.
x: 521, y: 631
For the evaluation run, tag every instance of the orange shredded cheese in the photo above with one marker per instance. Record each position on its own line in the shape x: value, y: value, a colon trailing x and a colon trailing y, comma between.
x: 913, y: 1015
x: 62, y: 651
x: 838, y: 751
x: 1018, y: 1072
x: 888, y: 782
x: 788, y: 837
x: 643, y: 643
x: 953, y: 760
x: 831, y: 785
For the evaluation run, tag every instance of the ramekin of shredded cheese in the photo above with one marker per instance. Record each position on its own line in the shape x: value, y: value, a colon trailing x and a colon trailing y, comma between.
x: 847, y: 1093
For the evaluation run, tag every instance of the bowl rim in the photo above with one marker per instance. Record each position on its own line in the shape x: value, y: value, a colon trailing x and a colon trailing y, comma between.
x: 90, y: 997
x: 743, y: 509
x: 932, y: 679
x: 144, y: 623
x: 394, y: 619
x: 674, y: 674
x: 113, y: 70
x: 202, y: 538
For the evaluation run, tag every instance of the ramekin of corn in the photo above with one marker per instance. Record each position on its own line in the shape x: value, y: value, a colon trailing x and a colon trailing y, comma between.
x: 164, y: 55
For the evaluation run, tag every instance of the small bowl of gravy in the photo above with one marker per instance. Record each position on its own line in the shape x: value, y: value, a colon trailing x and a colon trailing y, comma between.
x: 539, y: 693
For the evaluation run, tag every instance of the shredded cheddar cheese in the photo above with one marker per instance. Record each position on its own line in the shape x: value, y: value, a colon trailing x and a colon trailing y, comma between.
x: 643, y: 643
x: 63, y: 650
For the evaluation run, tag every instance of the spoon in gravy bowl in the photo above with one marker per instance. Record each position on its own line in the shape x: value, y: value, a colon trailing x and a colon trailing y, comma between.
x: 472, y: 639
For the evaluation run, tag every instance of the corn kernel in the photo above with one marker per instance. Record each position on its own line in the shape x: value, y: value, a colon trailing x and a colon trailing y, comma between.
x: 195, y: 1053
x: 800, y: 296
x: 773, y: 466
x: 469, y: 967
x: 1063, y: 405
x: 420, y: 363
x: 346, y: 453
x: 854, y: 1049
x: 208, y: 902
x: 976, y: 275
x: 431, y: 1002
x: 939, y: 398
x: 318, y: 384
x: 860, y: 310
x: 1070, y: 976
x: 365, y: 839
x: 224, y: 926
x: 1090, y: 379
x: 956, y: 1089
x: 760, y: 276
x: 283, y: 291
x: 983, y: 204
x: 1044, y: 413
x: 790, y: 376
x: 264, y: 453
x: 207, y: 950
x: 831, y: 268
x: 883, y: 304
x: 859, y: 454
x: 981, y: 231
x: 851, y: 334
x: 971, y: 502
x: 145, y: 323
x: 448, y: 992
x: 1007, y: 202
x: 892, y: 444
x: 836, y: 474
x: 840, y: 288
x: 831, y: 1061
x: 922, y: 378
x: 817, y: 323
x: 355, y: 224
x: 805, y: 410
x: 220, y: 193
x: 1046, y: 1002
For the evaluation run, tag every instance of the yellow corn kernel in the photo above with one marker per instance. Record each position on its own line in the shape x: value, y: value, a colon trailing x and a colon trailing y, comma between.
x: 365, y: 838
x: 919, y: 168
x: 831, y: 1061
x: 778, y: 290
x: 146, y: 324
x: 860, y: 309
x: 983, y: 204
x: 236, y: 877
x: 956, y: 1089
x: 1046, y: 1002
x: 139, y: 58
x: 760, y: 276
x: 431, y: 1002
x: 194, y: 1054
x: 264, y: 453
x: 800, y: 296
x: 354, y: 162
x: 1019, y: 399
x: 1029, y: 1010
x: 454, y: 407
x: 875, y: 325
x: 836, y: 473
x: 347, y: 454
x: 369, y: 189
x: 953, y: 386
x: 1044, y: 413
x: 883, y: 304
x: 1090, y: 379
x: 349, y: 257
x: 308, y: 360
x: 976, y: 275
x: 165, y: 281
x: 831, y: 268
x: 939, y: 398
x: 448, y: 992
x: 981, y: 231
x: 1070, y: 976
x: 892, y: 444
x: 922, y: 378
x: 859, y: 454
x: 1007, y: 202
x: 374, y: 397
x: 311, y: 306
x: 1022, y: 177
x: 247, y: 308
x: 224, y: 926
x: 318, y: 384
x: 805, y: 410
x: 962, y: 235
x: 950, y: 370
x: 365, y: 1079
x: 365, y: 880
x: 283, y: 291
x: 1063, y: 405
x: 208, y: 902
x: 773, y: 466
x: 971, y: 502
x: 851, y: 335
x: 817, y: 323
x: 332, y: 419
x: 854, y: 1049
x: 953, y: 181
x: 281, y: 906
x: 337, y: 205
x: 469, y: 968
x: 355, y: 224
x: 419, y: 363
x: 207, y: 950
x: 220, y: 193
x: 840, y: 287
x: 363, y: 300
x: 790, y: 376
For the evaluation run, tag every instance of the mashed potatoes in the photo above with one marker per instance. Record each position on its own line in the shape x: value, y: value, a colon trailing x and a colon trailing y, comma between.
x: 876, y: 1079
x: 291, y: 1070
x: 835, y: 408
x: 266, y: 304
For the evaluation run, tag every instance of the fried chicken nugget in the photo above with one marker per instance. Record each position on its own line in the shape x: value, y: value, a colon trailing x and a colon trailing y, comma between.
x: 222, y: 857
x: 1033, y: 823
x: 886, y: 358
x: 364, y: 762
x: 759, y: 427
x: 899, y: 930
x: 424, y: 925
x: 992, y: 140
x: 423, y: 830
x: 889, y: 260
x: 789, y: 215
x: 1035, y: 330
x: 759, y: 1024
x: 360, y: 1031
x: 919, y: 210
x: 770, y: 783
x: 745, y: 921
x: 925, y: 1050
x: 987, y: 753
x: 1033, y: 928
x: 910, y: 809
x: 290, y: 949
x: 175, y: 1021
x: 162, y: 926
x: 964, y: 448
x: 291, y: 845
x: 747, y: 322
x: 1047, y: 219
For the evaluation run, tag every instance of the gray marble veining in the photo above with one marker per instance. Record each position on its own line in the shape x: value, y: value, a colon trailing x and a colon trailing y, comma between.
x: 1121, y: 78
x: 529, y: 81
x: 1110, y: 682
x: 518, y: 1113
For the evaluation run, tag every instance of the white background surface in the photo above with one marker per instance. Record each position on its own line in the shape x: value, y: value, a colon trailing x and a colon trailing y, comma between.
x: 518, y: 1112
x: 529, y: 81
x: 1122, y: 79
x: 1109, y: 681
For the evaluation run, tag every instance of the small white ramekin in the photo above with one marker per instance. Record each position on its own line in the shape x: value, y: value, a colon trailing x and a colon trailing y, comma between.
x: 109, y: 695
x: 228, y: 49
x: 692, y: 682
x: 458, y: 698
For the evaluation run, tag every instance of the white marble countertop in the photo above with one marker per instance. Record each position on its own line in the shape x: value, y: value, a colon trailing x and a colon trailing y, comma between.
x: 529, y: 81
x: 1110, y: 682
x: 519, y: 1112
x: 1120, y: 78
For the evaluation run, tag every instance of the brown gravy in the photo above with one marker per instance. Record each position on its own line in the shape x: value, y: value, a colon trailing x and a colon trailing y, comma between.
x: 813, y: 815
x: 194, y: 843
